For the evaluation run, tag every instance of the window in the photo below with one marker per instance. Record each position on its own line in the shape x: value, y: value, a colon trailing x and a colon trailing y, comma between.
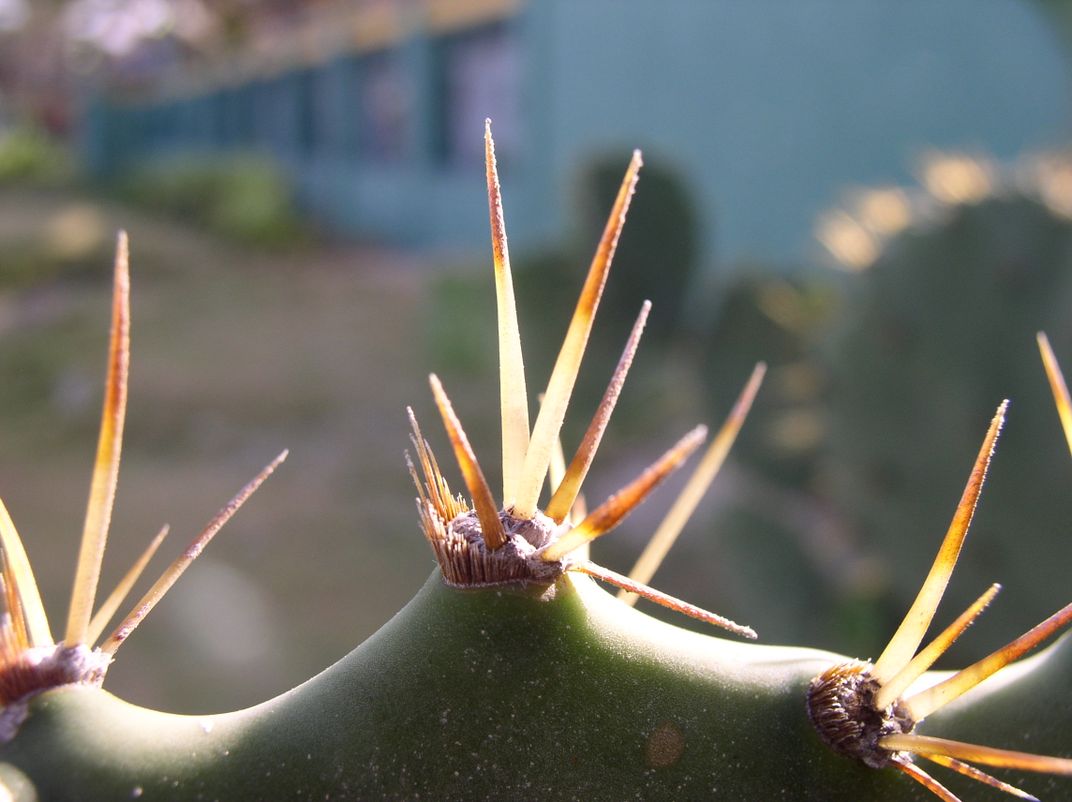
x: 480, y: 74
x: 385, y: 101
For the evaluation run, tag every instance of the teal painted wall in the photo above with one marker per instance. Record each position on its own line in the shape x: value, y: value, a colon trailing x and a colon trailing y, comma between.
x: 768, y: 109
x: 772, y: 108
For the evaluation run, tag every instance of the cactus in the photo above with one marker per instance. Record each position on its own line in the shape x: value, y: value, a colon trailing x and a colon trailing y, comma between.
x: 941, y: 322
x: 512, y: 674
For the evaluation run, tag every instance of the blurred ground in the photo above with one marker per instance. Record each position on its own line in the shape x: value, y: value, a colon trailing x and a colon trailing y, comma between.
x: 234, y: 358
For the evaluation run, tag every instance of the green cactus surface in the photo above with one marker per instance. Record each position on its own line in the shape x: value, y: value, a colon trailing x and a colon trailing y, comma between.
x: 507, y: 693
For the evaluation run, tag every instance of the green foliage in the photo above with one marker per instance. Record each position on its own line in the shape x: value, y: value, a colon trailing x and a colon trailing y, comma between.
x: 28, y: 156
x: 455, y: 344
x: 506, y: 693
x: 241, y: 197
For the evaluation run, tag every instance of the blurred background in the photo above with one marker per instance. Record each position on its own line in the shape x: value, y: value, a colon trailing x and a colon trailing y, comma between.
x: 875, y: 198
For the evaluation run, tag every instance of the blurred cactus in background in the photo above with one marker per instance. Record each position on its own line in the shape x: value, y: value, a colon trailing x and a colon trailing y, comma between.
x: 782, y: 320
x: 939, y: 326
x: 765, y: 526
x: 877, y: 371
x: 659, y: 254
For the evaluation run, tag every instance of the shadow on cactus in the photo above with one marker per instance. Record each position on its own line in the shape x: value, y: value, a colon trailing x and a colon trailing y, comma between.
x: 511, y: 674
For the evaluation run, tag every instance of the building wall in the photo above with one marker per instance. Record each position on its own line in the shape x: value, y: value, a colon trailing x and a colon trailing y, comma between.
x: 772, y: 108
x: 766, y: 109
